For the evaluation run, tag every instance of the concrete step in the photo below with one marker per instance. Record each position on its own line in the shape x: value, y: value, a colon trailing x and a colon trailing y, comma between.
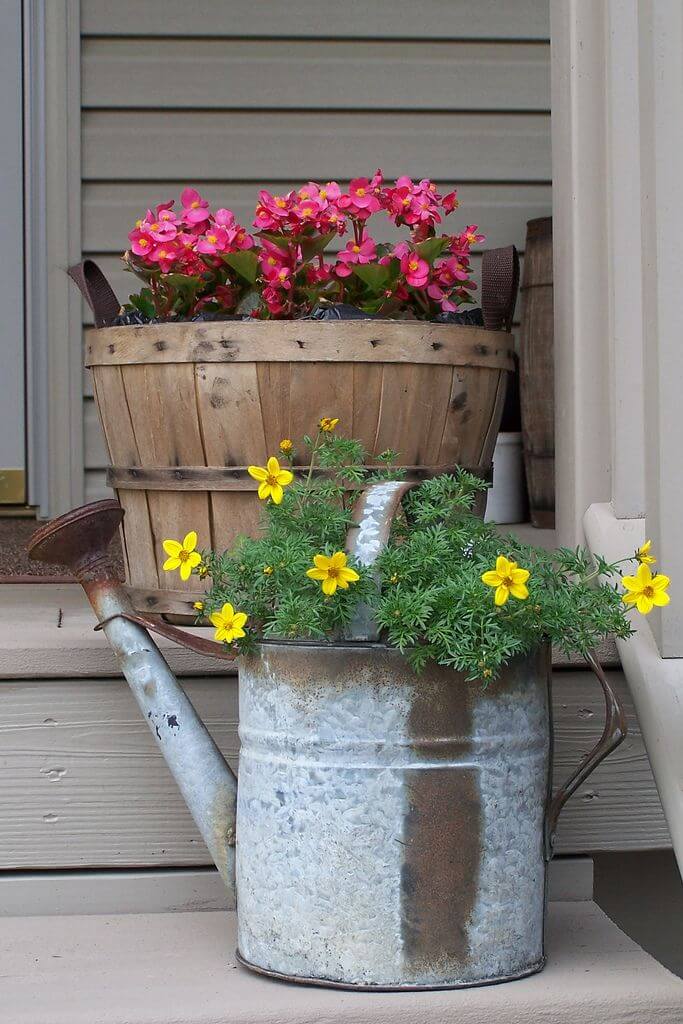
x: 181, y: 969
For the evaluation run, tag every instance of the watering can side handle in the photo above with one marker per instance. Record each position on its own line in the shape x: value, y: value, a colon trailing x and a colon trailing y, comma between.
x: 198, y: 644
x: 614, y: 732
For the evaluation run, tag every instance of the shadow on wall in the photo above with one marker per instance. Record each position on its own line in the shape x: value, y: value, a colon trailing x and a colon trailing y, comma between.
x: 643, y: 894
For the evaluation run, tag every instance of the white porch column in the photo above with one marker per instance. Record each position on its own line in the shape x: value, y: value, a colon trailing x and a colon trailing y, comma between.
x: 618, y: 231
x: 582, y: 447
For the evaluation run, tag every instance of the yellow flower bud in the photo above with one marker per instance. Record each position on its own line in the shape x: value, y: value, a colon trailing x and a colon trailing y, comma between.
x: 198, y: 606
x: 286, y: 445
x: 268, y: 570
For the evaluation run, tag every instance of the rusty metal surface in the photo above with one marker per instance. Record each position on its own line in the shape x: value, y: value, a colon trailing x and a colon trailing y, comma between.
x: 390, y: 826
x: 328, y: 983
x: 613, y: 734
x: 198, y: 644
x: 79, y: 540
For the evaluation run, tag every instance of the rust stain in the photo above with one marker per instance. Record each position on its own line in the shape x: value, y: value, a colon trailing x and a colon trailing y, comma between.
x: 443, y: 827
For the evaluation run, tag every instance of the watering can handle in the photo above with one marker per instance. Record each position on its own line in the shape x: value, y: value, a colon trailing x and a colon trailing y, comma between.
x: 198, y: 644
x: 614, y: 732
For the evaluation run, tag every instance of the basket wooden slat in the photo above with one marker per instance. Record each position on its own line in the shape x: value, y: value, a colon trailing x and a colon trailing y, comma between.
x: 183, y: 402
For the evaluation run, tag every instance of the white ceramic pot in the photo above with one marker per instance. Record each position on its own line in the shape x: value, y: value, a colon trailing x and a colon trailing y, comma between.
x: 507, y: 498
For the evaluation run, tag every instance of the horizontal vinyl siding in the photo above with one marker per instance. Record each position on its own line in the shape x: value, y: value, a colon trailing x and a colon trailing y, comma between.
x: 230, y: 98
x: 319, y: 19
x: 327, y: 75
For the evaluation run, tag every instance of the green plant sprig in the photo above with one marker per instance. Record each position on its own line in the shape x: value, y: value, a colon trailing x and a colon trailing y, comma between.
x: 425, y: 590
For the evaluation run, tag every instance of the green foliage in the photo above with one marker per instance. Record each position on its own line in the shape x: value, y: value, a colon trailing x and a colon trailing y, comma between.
x: 426, y: 589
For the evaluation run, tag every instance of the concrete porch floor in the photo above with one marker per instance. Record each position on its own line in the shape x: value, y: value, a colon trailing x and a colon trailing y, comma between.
x: 180, y: 969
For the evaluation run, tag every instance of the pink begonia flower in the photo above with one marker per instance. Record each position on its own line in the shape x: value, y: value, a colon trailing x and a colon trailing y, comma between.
x: 354, y: 253
x: 240, y: 239
x: 195, y: 209
x: 142, y: 243
x: 438, y: 294
x: 306, y: 211
x: 377, y: 181
x: 273, y: 300
x: 450, y: 202
x: 319, y: 274
x: 215, y: 240
x: 166, y: 255
x: 401, y: 249
x: 264, y: 220
x: 328, y: 193
x: 309, y: 191
x: 415, y: 270
x: 398, y: 200
x: 450, y: 271
x: 361, y: 202
x: 160, y: 230
x: 471, y: 235
x: 278, y: 277
x: 224, y: 218
x: 332, y: 219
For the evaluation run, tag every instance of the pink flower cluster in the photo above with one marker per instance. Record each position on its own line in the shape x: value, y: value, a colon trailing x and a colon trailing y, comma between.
x: 178, y: 241
x: 285, y: 271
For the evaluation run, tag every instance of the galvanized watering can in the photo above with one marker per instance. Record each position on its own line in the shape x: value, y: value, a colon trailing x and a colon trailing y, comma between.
x: 389, y: 831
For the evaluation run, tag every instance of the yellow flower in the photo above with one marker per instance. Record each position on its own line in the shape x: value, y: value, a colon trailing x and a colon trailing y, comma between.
x: 286, y: 445
x: 332, y: 572
x: 508, y: 579
x: 228, y: 623
x: 645, y: 590
x: 328, y: 424
x: 272, y: 478
x: 268, y: 570
x: 182, y: 555
x: 198, y: 606
x: 643, y: 554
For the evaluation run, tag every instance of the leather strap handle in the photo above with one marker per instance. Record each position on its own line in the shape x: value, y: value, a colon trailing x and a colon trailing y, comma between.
x: 613, y: 733
x: 499, y: 285
x: 96, y: 291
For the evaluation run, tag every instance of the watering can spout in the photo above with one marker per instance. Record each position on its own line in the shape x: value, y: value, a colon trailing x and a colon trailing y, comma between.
x: 80, y: 540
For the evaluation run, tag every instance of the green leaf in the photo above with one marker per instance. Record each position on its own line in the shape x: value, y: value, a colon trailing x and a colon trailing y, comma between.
x: 244, y: 262
x: 311, y: 247
x: 281, y: 241
x: 184, y: 282
x: 431, y: 248
x: 374, y: 275
x: 144, y: 302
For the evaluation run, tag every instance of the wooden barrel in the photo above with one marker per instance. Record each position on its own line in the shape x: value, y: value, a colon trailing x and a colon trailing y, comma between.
x: 186, y: 407
x: 536, y: 372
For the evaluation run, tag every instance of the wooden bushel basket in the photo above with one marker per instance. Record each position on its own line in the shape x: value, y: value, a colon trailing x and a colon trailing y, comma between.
x: 186, y: 407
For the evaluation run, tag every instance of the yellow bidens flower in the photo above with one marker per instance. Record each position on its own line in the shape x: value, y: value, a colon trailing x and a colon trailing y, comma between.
x: 327, y: 425
x: 643, y: 554
x: 228, y: 623
x: 198, y: 606
x: 182, y: 555
x: 332, y: 572
x: 272, y: 478
x: 645, y: 590
x: 508, y: 579
x: 286, y: 445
